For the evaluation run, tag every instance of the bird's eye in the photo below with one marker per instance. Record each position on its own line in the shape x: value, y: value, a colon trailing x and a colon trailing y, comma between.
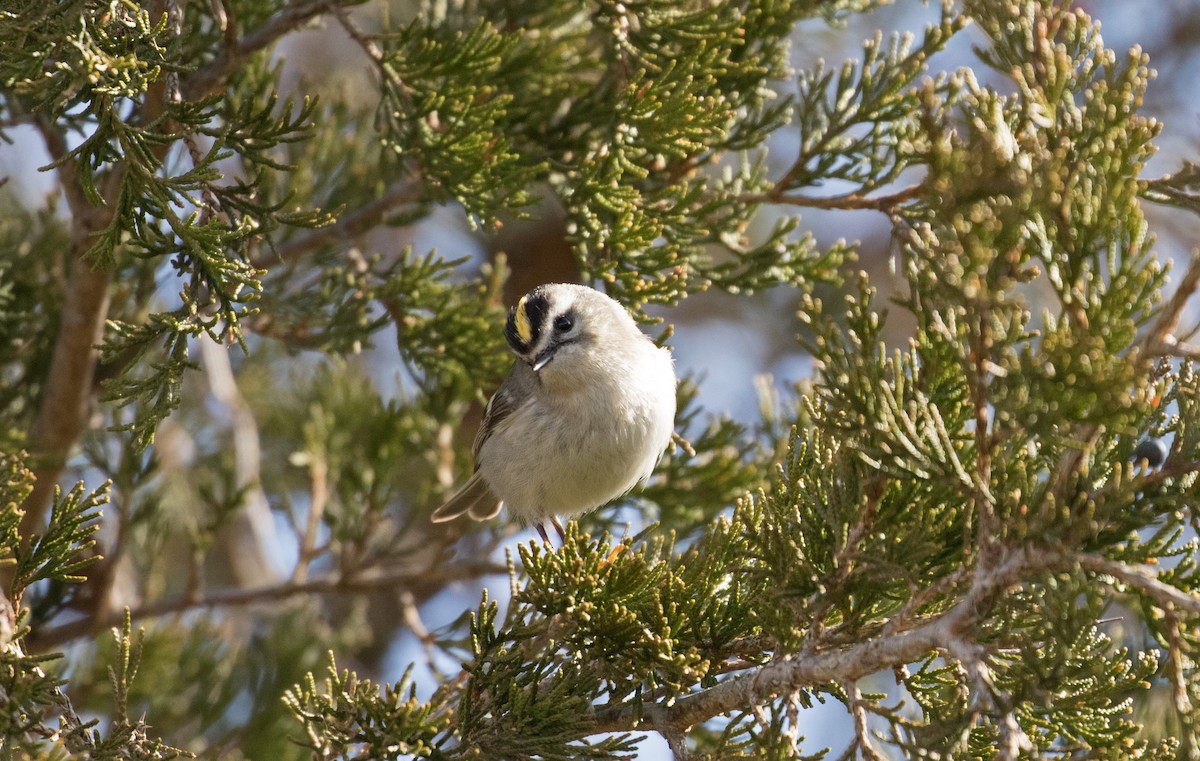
x: 564, y: 323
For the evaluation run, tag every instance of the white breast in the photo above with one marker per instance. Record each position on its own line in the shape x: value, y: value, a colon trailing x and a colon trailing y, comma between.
x: 594, y: 433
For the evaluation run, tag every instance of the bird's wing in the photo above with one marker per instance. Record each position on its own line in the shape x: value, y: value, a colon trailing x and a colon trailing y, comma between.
x: 503, y: 403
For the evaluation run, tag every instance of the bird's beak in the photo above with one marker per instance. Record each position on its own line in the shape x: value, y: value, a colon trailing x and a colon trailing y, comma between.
x: 544, y: 358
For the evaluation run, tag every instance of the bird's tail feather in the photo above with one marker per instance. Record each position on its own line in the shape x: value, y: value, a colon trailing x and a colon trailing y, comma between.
x: 474, y: 499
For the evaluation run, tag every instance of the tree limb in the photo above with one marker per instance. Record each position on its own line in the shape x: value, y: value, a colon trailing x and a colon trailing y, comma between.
x: 949, y: 634
x: 792, y: 673
x: 63, y: 410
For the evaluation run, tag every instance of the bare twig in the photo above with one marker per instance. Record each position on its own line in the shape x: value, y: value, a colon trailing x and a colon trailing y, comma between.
x: 253, y: 529
x: 1144, y: 579
x: 862, y: 732
x: 1168, y: 319
x: 67, y: 168
x: 187, y: 134
x: 368, y: 45
x: 318, y: 472
x: 348, y: 225
x: 847, y: 202
x: 845, y: 556
x: 419, y: 583
x: 981, y: 497
x: 922, y: 597
x: 410, y: 612
x: 214, y: 76
x: 1179, y: 350
x: 1175, y: 652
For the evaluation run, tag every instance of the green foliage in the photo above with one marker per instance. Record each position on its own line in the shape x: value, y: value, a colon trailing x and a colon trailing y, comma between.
x: 447, y: 108
x: 114, y: 57
x: 911, y: 469
x: 29, y: 241
x: 621, y: 111
x: 38, y: 719
x: 352, y: 713
x: 866, y: 126
x: 59, y: 552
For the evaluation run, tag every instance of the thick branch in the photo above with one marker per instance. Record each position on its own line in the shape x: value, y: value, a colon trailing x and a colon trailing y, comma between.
x: 849, y: 664
x: 948, y: 634
x: 64, y: 409
x: 64, y: 406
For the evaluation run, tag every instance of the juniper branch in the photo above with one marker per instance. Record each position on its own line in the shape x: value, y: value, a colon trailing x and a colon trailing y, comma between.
x: 950, y: 634
x: 945, y: 633
x: 1156, y: 343
x: 1144, y: 580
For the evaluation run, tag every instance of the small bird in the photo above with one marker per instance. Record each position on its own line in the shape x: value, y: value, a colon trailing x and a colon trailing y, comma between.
x: 582, y: 417
x: 1153, y: 451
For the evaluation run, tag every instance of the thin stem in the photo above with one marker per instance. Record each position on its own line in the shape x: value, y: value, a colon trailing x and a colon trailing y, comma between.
x: 318, y: 472
x: 1172, y: 311
x: 420, y: 584
x: 213, y: 77
x: 862, y: 731
x: 982, y: 499
x: 348, y: 225
x: 1144, y: 579
x: 847, y: 202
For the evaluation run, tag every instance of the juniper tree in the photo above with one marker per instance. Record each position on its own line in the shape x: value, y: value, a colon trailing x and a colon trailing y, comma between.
x: 219, y: 517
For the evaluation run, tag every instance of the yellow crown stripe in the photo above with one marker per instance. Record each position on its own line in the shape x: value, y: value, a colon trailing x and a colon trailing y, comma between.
x: 524, y: 331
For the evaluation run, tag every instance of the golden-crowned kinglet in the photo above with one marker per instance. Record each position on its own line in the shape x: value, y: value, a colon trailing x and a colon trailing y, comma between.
x: 584, y: 414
